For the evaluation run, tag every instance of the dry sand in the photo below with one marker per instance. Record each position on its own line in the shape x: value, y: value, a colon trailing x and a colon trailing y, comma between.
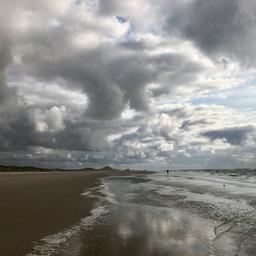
x: 34, y: 205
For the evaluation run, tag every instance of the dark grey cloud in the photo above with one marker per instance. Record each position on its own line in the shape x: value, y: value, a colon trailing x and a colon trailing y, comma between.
x: 20, y: 131
x: 4, y: 91
x: 119, y: 8
x: 188, y: 123
x: 134, y: 45
x: 5, y: 60
x: 14, y: 128
x: 221, y: 28
x: 109, y: 83
x: 233, y: 136
x: 110, y: 6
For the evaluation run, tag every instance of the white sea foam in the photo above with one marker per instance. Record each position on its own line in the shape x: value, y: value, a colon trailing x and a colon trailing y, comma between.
x: 109, y: 196
x: 86, y: 193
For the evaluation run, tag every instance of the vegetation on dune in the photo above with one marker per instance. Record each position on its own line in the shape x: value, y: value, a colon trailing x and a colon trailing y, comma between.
x: 39, y: 169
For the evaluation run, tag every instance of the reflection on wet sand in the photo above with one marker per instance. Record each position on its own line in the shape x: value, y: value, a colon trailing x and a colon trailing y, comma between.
x: 162, y: 216
x: 182, y: 215
x: 140, y: 229
x: 165, y: 231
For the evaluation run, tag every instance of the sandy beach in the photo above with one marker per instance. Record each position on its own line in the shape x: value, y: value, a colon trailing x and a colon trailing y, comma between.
x: 128, y: 213
x: 34, y: 205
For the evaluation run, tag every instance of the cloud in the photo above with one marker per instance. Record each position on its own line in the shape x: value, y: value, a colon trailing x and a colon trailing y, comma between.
x: 177, y: 135
x: 124, y: 82
x: 51, y: 120
x: 47, y: 129
x: 221, y: 28
x: 234, y: 136
x: 5, y: 60
x: 187, y: 124
x: 112, y: 76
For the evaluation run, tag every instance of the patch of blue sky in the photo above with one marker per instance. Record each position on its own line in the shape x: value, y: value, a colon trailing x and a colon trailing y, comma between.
x: 90, y: 4
x: 241, y: 98
x: 130, y: 34
x: 121, y: 19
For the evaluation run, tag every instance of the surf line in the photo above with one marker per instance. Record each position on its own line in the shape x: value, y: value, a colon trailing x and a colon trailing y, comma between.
x: 50, y: 244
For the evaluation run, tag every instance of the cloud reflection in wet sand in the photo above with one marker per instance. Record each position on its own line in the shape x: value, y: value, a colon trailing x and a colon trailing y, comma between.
x: 165, y: 230
x: 141, y: 220
x: 159, y: 230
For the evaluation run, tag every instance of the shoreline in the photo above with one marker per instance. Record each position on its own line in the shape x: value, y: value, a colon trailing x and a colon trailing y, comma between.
x: 39, y: 204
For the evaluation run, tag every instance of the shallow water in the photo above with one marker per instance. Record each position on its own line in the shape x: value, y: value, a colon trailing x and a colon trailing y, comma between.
x: 185, y: 214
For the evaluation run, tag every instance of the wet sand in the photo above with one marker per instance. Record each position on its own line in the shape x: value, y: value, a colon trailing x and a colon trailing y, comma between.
x: 34, y: 205
x: 184, y: 214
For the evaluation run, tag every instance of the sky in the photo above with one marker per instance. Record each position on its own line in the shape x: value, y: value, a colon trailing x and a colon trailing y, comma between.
x: 137, y: 84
